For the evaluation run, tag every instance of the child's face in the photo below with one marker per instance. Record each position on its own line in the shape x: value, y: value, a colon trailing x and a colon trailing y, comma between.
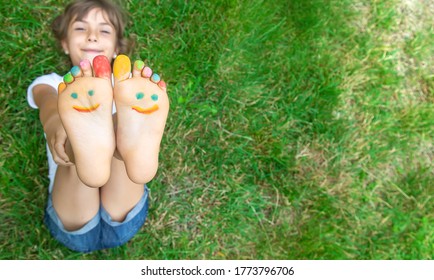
x: 89, y: 37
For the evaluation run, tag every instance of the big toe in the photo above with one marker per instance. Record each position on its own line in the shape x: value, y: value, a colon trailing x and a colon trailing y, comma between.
x: 121, y: 68
x: 101, y: 67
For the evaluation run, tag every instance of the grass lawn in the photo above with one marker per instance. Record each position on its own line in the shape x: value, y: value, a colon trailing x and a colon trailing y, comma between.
x: 297, y: 130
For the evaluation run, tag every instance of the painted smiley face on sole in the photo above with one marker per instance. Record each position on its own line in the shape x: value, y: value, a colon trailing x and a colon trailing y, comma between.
x: 87, y: 104
x: 147, y: 110
x: 84, y: 109
x: 145, y: 80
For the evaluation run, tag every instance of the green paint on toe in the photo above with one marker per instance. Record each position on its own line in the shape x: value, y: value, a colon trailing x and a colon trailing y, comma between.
x: 68, y: 78
x: 138, y: 64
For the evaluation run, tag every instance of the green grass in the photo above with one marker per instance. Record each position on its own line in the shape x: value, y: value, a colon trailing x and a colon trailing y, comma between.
x: 298, y: 130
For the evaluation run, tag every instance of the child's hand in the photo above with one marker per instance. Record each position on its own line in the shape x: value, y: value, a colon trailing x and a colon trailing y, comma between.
x: 56, y: 139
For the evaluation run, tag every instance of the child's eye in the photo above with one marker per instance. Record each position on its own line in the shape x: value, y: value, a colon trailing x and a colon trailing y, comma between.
x: 79, y: 29
x: 105, y: 31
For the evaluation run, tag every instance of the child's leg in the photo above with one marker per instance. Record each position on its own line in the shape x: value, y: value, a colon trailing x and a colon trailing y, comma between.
x: 85, y: 108
x: 74, y: 202
x: 119, y: 195
x: 142, y: 107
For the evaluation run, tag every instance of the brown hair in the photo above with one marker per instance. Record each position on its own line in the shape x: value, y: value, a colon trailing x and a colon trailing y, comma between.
x: 79, y: 9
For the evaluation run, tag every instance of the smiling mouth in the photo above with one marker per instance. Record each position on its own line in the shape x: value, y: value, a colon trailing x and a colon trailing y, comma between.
x: 86, y: 109
x: 91, y: 51
x: 145, y: 110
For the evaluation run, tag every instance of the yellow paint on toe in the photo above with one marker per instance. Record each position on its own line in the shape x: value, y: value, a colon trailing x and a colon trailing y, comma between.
x: 122, y: 67
x: 86, y: 109
x: 145, y: 110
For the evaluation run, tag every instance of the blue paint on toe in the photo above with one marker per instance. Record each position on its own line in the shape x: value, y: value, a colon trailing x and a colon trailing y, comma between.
x: 91, y: 92
x: 140, y: 95
x: 155, y: 78
x: 74, y: 95
x: 154, y: 97
x: 75, y: 71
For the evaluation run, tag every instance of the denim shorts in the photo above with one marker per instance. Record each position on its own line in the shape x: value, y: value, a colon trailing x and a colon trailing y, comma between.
x: 100, y: 232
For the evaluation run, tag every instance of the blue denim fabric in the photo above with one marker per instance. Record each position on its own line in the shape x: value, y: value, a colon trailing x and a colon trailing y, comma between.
x: 100, y: 232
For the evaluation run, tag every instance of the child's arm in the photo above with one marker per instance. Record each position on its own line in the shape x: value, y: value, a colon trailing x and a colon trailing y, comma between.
x: 46, y: 99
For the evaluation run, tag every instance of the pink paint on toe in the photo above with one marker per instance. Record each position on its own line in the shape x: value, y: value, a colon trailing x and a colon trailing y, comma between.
x: 101, y: 67
x: 147, y: 72
x: 84, y: 64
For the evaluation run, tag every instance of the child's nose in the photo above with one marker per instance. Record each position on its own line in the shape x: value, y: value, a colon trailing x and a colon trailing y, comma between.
x: 92, y: 37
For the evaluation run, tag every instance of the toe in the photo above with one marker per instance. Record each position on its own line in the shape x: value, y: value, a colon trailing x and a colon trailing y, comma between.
x: 101, y: 67
x: 86, y: 68
x: 146, y: 72
x: 162, y: 84
x: 155, y: 78
x: 61, y: 87
x: 121, y: 68
x: 76, y: 72
x: 68, y: 78
x: 138, y: 67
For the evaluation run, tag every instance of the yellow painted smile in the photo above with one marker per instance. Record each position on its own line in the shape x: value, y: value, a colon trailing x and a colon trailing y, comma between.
x: 145, y: 110
x: 86, y: 109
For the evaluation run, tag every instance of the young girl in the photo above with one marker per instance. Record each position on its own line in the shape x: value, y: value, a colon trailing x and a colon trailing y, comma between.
x: 103, y: 136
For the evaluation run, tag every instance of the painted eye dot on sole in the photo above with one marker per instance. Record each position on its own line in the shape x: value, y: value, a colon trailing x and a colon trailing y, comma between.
x: 91, y: 92
x: 140, y: 95
x: 154, y: 97
x: 74, y: 95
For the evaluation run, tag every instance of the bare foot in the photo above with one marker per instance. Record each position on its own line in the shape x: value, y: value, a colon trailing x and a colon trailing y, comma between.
x: 142, y: 107
x: 85, y: 108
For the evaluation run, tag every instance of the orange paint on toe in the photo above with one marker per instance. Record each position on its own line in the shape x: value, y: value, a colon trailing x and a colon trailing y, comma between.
x: 145, y: 110
x: 122, y: 67
x: 61, y: 87
x: 86, y: 109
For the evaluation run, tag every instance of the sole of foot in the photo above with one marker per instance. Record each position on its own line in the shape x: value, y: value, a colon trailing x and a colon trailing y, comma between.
x: 142, y: 107
x: 85, y: 108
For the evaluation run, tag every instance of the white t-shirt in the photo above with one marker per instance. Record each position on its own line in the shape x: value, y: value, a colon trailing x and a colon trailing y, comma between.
x: 52, y: 80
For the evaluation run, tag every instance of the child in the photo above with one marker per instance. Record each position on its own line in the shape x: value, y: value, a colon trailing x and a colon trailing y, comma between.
x: 102, y: 140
